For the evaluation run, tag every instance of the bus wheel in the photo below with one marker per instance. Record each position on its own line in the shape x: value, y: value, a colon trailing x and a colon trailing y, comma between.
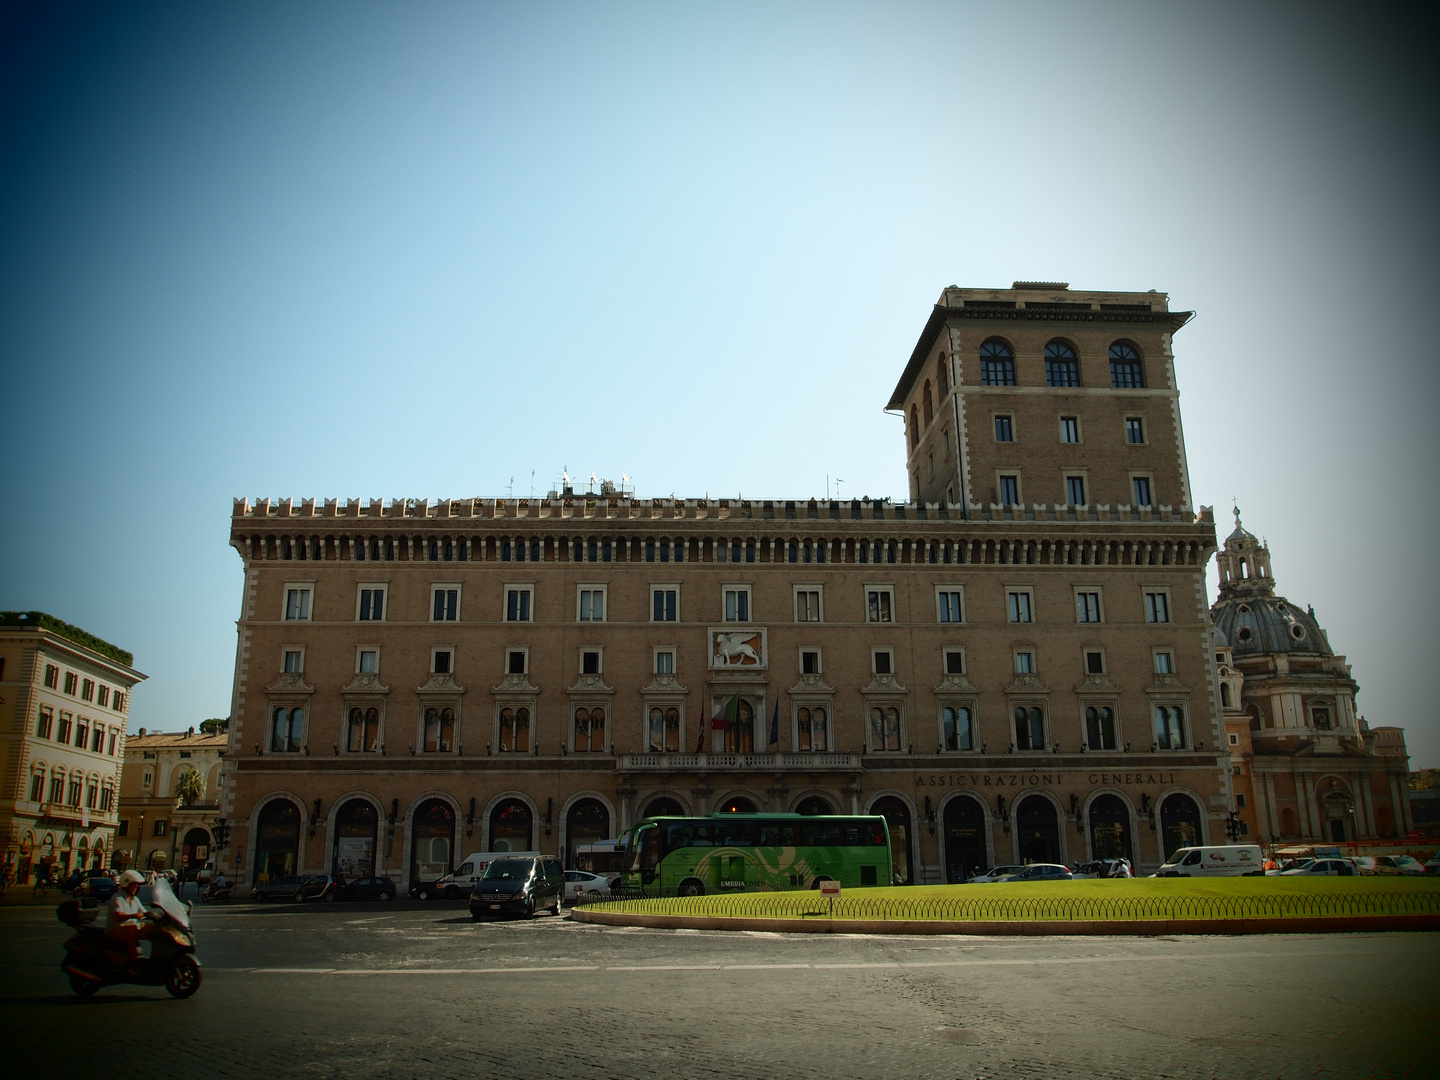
x: 691, y: 887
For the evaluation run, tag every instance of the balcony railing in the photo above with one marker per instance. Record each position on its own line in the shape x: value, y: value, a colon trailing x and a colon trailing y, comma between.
x: 781, y: 762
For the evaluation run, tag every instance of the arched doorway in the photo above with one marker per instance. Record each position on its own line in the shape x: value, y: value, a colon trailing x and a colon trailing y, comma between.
x: 664, y: 806
x: 432, y: 841
x: 1179, y: 823
x: 966, y: 852
x: 1038, y: 829
x: 357, y: 828
x: 737, y: 805
x: 194, y: 849
x: 277, y: 840
x: 814, y: 806
x: 897, y: 818
x: 511, y: 826
x: 1110, y: 829
x: 587, y: 822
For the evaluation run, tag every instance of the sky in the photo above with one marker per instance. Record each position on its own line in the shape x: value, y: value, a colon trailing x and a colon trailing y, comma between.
x: 448, y: 250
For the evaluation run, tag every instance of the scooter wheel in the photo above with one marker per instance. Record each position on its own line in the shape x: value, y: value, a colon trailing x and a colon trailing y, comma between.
x: 83, y: 987
x: 183, y: 978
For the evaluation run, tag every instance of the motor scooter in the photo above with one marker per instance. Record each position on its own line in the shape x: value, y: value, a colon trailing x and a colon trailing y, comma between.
x: 92, y: 960
x: 219, y: 894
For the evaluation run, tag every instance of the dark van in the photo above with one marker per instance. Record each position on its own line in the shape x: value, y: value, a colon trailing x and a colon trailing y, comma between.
x: 519, y: 885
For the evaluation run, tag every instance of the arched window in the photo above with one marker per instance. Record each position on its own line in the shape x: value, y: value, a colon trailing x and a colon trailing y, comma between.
x: 76, y: 783
x: 997, y: 364
x: 1180, y: 823
x: 107, y: 797
x: 929, y: 406
x: 1100, y: 729
x: 439, y: 730
x: 955, y: 722
x: 590, y: 731
x: 740, y: 733
x: 277, y: 840
x: 1039, y: 830
x: 1110, y: 829
x: 664, y: 730
x: 286, y: 729
x: 942, y: 374
x: 1169, y: 727
x: 364, y: 736
x: 586, y: 823
x: 897, y: 817
x: 37, y: 784
x: 432, y: 844
x: 1061, y: 366
x: 885, y: 728
x: 511, y: 825
x: 814, y: 806
x: 966, y: 850
x: 1126, y: 371
x: 1029, y: 728
x: 812, y: 729
x: 515, y: 730
x: 664, y: 806
x: 357, y: 826
x: 914, y: 427
x: 738, y: 805
x: 57, y: 785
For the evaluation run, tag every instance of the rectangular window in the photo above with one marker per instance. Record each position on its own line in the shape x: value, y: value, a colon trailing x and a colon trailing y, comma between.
x: 1070, y: 429
x: 1087, y: 607
x: 951, y: 609
x: 1075, y: 490
x: 1134, y: 430
x: 517, y: 605
x: 67, y: 721
x: 119, y: 705
x: 297, y: 604
x: 1169, y: 727
x: 1061, y: 371
x: 46, y: 724
x: 442, y: 661
x: 592, y: 605
x: 372, y: 604
x: 368, y: 662
x: 590, y: 662
x: 1322, y: 719
x: 1024, y: 663
x: 737, y: 604
x: 1009, y: 491
x: 52, y: 676
x: 97, y: 740
x: 664, y: 662
x: 1234, y: 741
x: 883, y: 661
x: 1157, y: 607
x: 444, y: 604
x: 294, y: 661
x: 72, y: 683
x: 1094, y: 663
x: 664, y: 604
x: 997, y: 372
x: 124, y: 829
x: 111, y: 750
x: 1240, y: 800
x: 1164, y: 663
x: 1018, y: 602
x: 879, y: 605
x: 37, y: 788
x: 1004, y: 429
x: 104, y: 697
x: 809, y: 662
x: 516, y: 662
x: 954, y: 662
x: 807, y: 605
x: 160, y: 827
x: 82, y: 732
x: 1127, y: 373
x: 87, y: 690
x: 1141, y: 485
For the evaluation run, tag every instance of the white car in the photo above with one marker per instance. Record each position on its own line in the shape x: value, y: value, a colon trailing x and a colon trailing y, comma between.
x: 995, y: 873
x: 1323, y: 868
x: 580, y: 883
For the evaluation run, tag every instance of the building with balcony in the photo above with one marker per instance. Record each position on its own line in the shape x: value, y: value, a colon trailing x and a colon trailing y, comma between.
x: 158, y: 829
x: 1016, y: 664
x: 64, y: 702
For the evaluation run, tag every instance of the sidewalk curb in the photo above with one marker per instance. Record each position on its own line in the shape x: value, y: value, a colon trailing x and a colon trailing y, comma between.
x: 1340, y: 924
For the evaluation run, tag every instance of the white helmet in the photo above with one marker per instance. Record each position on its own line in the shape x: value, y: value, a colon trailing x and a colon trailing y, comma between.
x: 131, y: 877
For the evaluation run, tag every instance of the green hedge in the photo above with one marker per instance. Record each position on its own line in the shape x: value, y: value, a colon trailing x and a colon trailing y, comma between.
x: 71, y: 633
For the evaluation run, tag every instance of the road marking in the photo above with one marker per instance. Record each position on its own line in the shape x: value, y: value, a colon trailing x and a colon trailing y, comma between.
x: 761, y: 967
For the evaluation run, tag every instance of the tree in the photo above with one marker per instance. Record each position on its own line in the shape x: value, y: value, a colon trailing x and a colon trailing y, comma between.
x: 214, y: 726
x: 189, y: 787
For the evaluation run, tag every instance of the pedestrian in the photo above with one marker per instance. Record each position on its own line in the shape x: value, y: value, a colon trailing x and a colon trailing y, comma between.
x: 4, y: 879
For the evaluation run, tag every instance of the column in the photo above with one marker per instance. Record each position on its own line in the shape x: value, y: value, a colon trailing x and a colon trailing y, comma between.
x: 1304, y: 798
x: 1264, y: 795
x: 1270, y: 803
x: 1360, y: 784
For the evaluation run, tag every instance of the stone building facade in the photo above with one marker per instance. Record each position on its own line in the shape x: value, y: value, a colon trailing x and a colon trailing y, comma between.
x: 158, y: 831
x: 64, y: 703
x: 1304, y: 767
x: 1009, y: 667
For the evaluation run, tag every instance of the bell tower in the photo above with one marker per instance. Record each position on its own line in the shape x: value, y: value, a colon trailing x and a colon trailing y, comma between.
x: 1244, y: 564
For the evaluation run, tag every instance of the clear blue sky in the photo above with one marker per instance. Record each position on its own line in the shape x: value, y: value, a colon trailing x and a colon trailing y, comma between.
x: 366, y: 250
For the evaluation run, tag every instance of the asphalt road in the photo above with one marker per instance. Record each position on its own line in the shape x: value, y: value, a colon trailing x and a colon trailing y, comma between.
x: 410, y: 990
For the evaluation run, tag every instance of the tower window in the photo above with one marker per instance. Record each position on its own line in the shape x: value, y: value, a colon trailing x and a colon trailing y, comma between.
x: 997, y: 364
x: 1061, y: 366
x: 1126, y: 371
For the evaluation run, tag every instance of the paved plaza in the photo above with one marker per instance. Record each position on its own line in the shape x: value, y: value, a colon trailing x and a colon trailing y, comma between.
x: 410, y: 990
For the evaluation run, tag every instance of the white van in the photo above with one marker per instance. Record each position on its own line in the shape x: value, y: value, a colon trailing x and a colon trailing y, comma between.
x: 1234, y: 860
x: 471, y: 869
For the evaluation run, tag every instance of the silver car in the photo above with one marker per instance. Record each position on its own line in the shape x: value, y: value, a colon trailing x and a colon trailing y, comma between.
x: 995, y: 873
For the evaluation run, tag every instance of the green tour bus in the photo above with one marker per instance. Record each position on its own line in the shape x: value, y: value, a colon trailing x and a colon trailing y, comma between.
x: 729, y: 852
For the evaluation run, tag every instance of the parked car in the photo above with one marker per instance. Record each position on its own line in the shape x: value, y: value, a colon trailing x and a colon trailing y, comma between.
x: 424, y: 890
x: 580, y: 883
x: 1398, y: 864
x: 205, y: 873
x: 519, y: 886
x: 1324, y: 868
x: 98, y: 885
x: 995, y: 873
x: 319, y: 887
x: 365, y: 888
x: 1104, y: 868
x: 1290, y: 864
x: 1041, y: 871
x: 280, y: 888
x: 1220, y: 860
x: 1433, y: 865
x: 1364, y: 864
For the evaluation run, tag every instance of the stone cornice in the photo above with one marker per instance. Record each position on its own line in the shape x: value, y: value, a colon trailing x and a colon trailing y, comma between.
x: 365, y: 683
x: 440, y: 684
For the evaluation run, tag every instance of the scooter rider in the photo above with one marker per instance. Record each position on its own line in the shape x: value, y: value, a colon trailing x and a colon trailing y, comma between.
x: 127, y: 919
x: 217, y: 885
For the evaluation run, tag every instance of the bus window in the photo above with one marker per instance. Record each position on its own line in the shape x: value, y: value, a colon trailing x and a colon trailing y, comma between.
x: 773, y: 835
x: 647, y: 853
x: 820, y: 834
x: 738, y: 833
x: 879, y: 837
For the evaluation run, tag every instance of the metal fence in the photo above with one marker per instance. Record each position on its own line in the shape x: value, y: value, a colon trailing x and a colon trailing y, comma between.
x: 986, y: 908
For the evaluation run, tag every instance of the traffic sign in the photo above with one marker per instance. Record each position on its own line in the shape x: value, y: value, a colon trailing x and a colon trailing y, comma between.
x: 830, y: 889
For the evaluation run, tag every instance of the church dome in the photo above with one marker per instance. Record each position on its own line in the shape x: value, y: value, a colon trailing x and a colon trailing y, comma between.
x: 1268, y: 624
